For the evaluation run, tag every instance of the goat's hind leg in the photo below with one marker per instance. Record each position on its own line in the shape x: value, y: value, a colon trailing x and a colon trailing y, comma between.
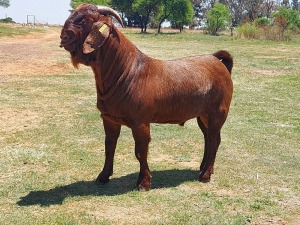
x: 211, y: 129
x: 112, y: 132
x: 202, y: 123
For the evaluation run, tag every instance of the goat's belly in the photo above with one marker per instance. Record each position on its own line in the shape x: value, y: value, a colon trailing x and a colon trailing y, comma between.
x: 176, y: 116
x: 171, y: 120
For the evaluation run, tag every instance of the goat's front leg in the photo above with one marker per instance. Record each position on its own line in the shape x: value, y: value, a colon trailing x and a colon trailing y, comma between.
x: 112, y: 133
x: 141, y: 135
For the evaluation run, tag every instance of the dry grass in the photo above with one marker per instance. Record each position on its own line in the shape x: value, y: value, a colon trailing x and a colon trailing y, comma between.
x: 52, y: 141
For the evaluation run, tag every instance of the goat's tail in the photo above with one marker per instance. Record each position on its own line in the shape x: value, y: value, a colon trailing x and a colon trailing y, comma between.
x: 225, y: 58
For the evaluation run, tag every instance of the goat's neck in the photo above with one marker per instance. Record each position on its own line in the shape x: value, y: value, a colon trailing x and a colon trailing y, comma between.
x: 113, y: 63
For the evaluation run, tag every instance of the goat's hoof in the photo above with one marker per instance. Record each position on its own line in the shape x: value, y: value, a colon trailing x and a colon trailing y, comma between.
x: 144, y: 184
x: 204, y: 178
x: 143, y: 187
x: 102, y: 179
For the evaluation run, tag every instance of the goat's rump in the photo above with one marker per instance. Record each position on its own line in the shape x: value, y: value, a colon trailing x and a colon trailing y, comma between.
x: 225, y: 58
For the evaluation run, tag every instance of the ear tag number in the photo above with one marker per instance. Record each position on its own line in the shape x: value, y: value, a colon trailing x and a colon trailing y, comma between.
x: 101, y: 29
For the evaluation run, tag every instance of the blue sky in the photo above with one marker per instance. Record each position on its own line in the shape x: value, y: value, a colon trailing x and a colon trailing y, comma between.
x: 51, y: 11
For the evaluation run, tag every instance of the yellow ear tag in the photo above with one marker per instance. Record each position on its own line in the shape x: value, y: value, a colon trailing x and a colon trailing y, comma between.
x: 101, y: 29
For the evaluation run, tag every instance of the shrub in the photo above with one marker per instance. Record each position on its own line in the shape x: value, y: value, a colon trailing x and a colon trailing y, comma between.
x: 285, y: 22
x: 276, y: 33
x: 7, y: 20
x: 261, y: 22
x: 248, y: 30
x: 292, y: 17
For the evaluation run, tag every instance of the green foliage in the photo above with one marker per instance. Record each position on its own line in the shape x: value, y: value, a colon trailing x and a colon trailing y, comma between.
x: 268, y: 32
x: 145, y: 6
x: 295, y: 4
x: 123, y: 6
x: 164, y: 11
x: 291, y: 16
x: 75, y: 3
x: 182, y: 13
x: 218, y: 18
x: 143, y: 12
x: 145, y: 9
x: 285, y: 22
x: 260, y: 22
x: 248, y: 30
x: 7, y: 20
x: 179, y: 12
x: 4, y: 3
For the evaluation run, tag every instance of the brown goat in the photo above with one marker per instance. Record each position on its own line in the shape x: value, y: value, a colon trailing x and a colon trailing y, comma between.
x: 136, y: 90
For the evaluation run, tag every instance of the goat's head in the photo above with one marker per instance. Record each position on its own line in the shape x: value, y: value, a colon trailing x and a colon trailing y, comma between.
x: 86, y: 29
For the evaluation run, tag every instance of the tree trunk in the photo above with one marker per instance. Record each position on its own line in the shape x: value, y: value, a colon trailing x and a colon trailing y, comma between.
x: 159, y: 25
x: 146, y: 21
x: 180, y: 28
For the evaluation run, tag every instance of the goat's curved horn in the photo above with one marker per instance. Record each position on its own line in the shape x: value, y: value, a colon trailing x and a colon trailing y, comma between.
x: 106, y: 10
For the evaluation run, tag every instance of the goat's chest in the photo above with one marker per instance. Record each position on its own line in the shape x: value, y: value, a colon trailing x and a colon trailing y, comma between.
x: 113, y: 111
x: 107, y: 107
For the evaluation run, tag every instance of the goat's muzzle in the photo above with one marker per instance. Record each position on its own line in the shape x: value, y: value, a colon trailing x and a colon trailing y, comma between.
x: 68, y: 39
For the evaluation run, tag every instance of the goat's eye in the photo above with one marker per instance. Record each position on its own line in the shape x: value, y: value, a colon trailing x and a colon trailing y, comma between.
x: 78, y: 19
x: 83, y: 21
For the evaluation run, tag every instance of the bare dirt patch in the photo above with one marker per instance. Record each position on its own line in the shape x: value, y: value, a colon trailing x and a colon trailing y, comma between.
x: 16, y: 120
x: 34, y: 54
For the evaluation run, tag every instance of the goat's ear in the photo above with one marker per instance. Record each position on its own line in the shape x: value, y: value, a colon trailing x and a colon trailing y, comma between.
x: 97, y: 36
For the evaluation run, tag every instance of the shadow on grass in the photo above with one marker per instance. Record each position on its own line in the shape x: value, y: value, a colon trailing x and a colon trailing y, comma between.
x: 116, y: 186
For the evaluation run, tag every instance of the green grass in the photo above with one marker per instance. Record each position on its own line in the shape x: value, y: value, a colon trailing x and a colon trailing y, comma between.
x: 7, y: 30
x: 52, y: 147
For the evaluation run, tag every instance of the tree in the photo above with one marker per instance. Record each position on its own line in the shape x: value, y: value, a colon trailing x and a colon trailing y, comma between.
x: 164, y: 12
x: 145, y: 9
x: 296, y: 5
x: 4, y: 3
x: 285, y: 3
x: 125, y: 7
x: 75, y: 3
x: 268, y: 7
x: 238, y: 11
x: 180, y: 12
x: 200, y: 10
x: 253, y: 9
x: 217, y: 18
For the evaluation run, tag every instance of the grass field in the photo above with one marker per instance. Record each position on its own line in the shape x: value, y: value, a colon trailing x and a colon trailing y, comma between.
x: 52, y: 141
x: 8, y: 30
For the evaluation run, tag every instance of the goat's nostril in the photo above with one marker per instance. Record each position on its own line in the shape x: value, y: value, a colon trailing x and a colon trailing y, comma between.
x: 65, y: 38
